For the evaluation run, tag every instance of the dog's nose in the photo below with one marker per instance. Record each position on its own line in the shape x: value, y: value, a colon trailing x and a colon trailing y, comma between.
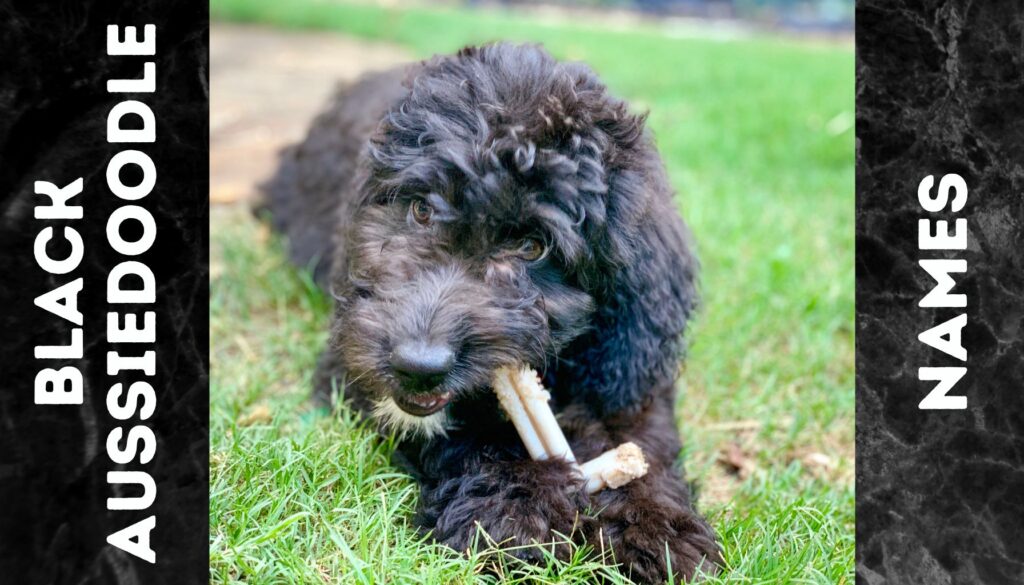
x: 422, y: 366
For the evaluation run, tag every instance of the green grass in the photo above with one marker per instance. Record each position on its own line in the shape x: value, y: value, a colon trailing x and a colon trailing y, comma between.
x: 757, y: 135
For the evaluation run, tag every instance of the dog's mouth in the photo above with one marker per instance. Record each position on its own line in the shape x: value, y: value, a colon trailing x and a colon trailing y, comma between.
x: 422, y: 403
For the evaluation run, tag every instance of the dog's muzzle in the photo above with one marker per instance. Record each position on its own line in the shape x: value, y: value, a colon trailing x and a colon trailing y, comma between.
x: 421, y: 368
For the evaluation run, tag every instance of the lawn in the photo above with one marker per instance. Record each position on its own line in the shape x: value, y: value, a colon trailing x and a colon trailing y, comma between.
x: 757, y: 133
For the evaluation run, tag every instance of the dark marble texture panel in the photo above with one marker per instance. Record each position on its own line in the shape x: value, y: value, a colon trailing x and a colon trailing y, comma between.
x: 53, y: 459
x: 940, y: 494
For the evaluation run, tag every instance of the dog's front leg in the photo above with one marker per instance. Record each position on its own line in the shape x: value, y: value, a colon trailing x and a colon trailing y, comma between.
x: 650, y: 525
x: 516, y: 503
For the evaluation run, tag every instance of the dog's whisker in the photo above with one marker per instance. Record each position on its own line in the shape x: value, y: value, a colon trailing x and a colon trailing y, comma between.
x: 359, y: 376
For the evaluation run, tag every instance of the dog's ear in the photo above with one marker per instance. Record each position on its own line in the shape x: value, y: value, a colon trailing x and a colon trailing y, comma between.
x: 647, y: 291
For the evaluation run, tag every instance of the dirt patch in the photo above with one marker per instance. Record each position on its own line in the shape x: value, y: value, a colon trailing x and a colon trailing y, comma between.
x: 266, y: 86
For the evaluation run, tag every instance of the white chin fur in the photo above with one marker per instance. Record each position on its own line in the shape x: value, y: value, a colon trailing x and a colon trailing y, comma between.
x: 404, y: 424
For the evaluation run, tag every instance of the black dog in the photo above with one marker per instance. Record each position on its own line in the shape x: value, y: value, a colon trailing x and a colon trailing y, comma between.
x: 498, y: 207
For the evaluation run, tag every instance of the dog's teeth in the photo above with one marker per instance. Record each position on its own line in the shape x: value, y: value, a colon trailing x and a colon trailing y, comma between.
x: 393, y: 418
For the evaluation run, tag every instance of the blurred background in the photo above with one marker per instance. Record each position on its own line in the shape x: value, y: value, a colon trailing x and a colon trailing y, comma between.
x: 812, y: 15
x: 752, y: 106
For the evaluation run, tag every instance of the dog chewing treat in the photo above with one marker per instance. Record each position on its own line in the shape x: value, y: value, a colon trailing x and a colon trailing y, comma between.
x: 526, y: 403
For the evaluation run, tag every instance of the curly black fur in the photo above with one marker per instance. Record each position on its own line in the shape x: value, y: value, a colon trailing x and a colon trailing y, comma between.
x: 501, y: 143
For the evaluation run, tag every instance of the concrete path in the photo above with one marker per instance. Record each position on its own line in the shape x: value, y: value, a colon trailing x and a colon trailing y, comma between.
x: 266, y: 86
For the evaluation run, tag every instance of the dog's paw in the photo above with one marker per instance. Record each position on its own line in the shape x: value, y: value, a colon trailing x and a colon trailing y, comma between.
x: 652, y: 531
x: 516, y: 504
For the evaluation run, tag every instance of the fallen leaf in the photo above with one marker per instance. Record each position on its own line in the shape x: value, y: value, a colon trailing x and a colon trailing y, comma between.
x: 256, y: 415
x: 736, y: 461
x: 818, y: 460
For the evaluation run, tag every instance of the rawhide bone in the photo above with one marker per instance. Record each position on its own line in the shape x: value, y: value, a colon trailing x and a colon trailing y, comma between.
x: 525, y: 402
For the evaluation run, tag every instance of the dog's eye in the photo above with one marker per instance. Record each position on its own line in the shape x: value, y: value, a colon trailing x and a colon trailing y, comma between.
x: 531, y: 249
x: 421, y: 211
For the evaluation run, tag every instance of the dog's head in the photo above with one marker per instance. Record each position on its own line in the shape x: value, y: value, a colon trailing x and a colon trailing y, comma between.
x: 510, y: 208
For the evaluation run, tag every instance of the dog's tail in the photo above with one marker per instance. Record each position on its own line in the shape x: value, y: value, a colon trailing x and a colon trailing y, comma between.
x: 311, y: 194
